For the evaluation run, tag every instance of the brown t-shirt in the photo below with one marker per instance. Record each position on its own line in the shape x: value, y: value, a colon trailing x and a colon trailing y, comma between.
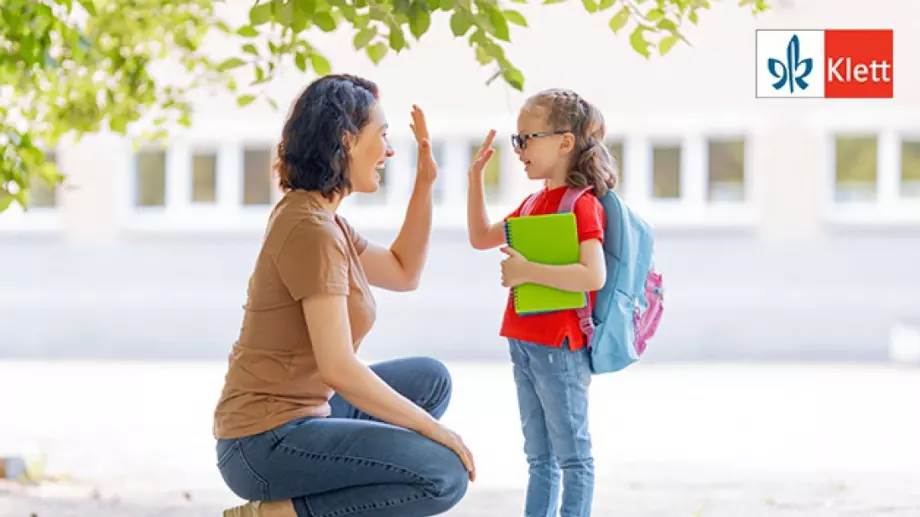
x: 273, y: 376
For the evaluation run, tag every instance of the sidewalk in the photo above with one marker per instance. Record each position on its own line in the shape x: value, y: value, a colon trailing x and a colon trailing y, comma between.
x: 721, y: 440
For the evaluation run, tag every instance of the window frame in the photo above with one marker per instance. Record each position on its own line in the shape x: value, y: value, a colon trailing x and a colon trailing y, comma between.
x: 891, y: 126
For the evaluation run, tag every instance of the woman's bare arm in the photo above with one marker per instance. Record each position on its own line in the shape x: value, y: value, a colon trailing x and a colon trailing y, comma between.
x: 399, y: 267
x: 330, y: 333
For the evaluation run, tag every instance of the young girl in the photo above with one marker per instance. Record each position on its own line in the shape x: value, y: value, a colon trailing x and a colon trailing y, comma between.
x: 560, y: 141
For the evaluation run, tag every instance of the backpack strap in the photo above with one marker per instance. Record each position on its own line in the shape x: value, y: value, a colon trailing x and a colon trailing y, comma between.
x: 585, y: 321
x: 570, y: 197
x: 528, y: 204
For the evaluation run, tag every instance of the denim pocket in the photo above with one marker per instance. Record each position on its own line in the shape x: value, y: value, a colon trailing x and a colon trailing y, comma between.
x: 225, y: 448
x: 239, y: 476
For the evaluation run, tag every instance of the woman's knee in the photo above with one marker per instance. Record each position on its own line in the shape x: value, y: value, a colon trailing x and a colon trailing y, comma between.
x: 450, y: 485
x: 437, y: 378
x: 432, y: 369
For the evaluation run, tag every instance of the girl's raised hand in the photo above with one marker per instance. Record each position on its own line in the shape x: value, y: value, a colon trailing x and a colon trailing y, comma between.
x: 482, y: 157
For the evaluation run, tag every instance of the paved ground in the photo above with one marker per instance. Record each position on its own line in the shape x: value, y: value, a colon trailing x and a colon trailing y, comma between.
x: 134, y: 440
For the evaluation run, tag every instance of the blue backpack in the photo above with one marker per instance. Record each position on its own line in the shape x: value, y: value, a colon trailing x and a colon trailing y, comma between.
x: 628, y: 308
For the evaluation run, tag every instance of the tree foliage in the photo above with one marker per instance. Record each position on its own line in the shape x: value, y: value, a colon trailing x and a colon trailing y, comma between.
x: 77, y: 67
x: 382, y: 27
x: 70, y: 67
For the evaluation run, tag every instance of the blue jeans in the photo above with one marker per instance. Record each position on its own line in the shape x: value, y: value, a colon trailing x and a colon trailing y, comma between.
x: 350, y: 463
x: 552, y: 388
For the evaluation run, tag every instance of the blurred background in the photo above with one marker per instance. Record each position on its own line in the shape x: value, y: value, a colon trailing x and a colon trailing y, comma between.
x: 782, y: 378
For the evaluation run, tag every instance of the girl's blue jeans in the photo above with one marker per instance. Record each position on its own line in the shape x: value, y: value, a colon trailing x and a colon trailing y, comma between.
x: 552, y: 388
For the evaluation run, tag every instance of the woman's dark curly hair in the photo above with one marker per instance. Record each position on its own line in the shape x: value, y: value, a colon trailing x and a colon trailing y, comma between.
x: 312, y: 154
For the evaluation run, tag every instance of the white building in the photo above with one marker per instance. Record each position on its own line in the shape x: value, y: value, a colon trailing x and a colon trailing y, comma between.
x: 743, y: 191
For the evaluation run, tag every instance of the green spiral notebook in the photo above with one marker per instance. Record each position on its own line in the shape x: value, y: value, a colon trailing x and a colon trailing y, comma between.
x: 545, y: 239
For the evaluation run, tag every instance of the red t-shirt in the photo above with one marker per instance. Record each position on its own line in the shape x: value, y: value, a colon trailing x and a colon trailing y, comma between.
x: 552, y: 328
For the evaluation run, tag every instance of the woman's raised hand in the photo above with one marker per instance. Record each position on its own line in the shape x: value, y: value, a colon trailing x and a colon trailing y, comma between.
x: 427, y: 168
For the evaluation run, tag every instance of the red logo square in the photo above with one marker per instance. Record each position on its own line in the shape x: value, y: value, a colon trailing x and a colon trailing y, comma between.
x: 859, y: 64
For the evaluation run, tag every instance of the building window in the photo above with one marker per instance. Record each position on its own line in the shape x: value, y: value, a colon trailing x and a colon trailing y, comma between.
x: 855, y: 168
x: 151, y: 178
x: 204, y: 177
x: 910, y: 169
x: 615, y: 148
x: 492, y: 173
x: 666, y: 172
x: 257, y: 176
x: 726, y: 171
x: 40, y: 194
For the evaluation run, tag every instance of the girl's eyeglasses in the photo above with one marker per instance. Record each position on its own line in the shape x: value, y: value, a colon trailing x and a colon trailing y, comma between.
x: 519, y: 140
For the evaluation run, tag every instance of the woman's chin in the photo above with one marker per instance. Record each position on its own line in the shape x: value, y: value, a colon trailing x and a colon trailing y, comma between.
x: 369, y: 188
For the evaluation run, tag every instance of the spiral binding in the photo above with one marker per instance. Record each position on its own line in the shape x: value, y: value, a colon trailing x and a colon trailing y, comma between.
x: 514, y: 293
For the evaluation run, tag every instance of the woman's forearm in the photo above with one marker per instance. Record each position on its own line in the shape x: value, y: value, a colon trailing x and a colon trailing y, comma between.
x: 411, y: 245
x: 477, y: 218
x: 361, y: 387
x: 328, y: 325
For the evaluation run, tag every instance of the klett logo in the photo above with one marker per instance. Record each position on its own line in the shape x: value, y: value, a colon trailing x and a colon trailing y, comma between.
x: 793, y: 71
x: 825, y: 63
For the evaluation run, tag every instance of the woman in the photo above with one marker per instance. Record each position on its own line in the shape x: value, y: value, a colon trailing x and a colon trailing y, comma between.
x: 304, y: 429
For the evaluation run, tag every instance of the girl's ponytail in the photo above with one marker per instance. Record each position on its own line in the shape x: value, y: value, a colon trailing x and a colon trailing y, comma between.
x: 594, y: 166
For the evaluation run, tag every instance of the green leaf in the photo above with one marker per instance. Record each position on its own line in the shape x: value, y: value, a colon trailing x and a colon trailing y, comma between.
x: 655, y: 14
x: 590, y: 5
x: 515, y: 17
x: 619, y: 20
x: 364, y: 37
x: 667, y: 43
x: 300, y: 61
x: 284, y: 14
x: 667, y: 25
x: 419, y: 19
x: 247, y: 31
x: 377, y: 52
x: 90, y: 7
x: 514, y: 77
x: 638, y: 41
x: 606, y: 4
x: 460, y: 23
x: 230, y: 64
x: 498, y: 21
x: 397, y: 38
x: 249, y: 48
x: 260, y: 13
x: 324, y: 21
x: 320, y: 64
x: 304, y: 8
x: 483, y: 56
x: 694, y: 19
x: 245, y: 100
x: 448, y: 5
